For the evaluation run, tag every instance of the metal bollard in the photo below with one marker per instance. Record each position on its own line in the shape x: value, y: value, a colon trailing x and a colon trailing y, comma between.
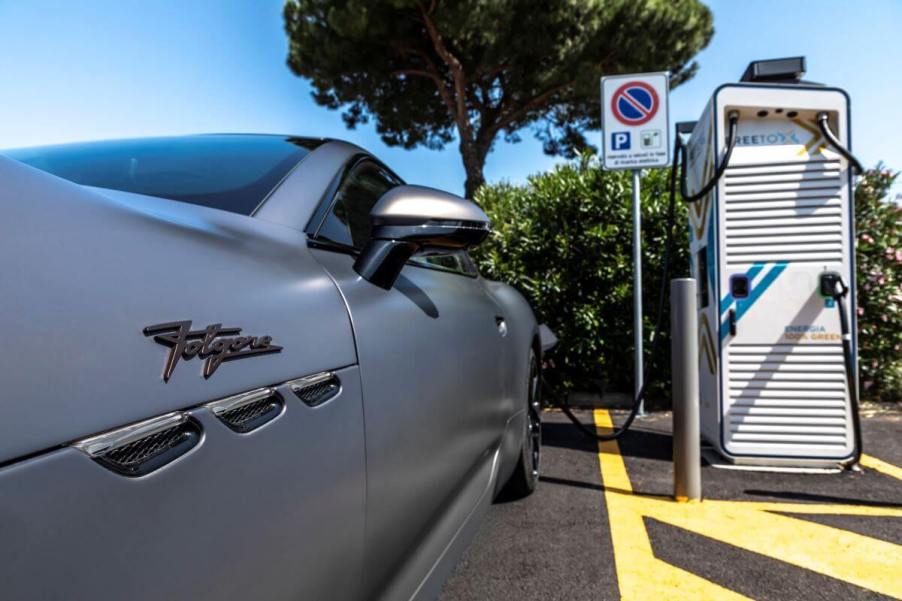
x: 687, y: 480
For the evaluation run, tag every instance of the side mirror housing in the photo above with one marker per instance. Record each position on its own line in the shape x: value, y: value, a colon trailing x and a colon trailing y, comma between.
x: 408, y: 219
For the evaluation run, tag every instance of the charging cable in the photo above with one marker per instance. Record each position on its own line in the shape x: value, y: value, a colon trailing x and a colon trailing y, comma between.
x: 681, y: 167
x: 832, y: 286
x: 665, y: 270
x: 733, y: 117
x: 823, y: 123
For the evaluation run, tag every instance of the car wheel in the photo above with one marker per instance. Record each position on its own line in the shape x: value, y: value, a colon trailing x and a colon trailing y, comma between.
x: 526, y: 475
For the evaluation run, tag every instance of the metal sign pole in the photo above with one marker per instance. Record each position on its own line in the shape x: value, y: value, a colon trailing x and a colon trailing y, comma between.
x: 637, y: 288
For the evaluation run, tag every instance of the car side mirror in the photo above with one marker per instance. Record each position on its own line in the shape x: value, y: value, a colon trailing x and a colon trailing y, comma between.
x: 408, y: 219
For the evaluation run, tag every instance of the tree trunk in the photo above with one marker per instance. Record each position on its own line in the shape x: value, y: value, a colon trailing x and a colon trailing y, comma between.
x: 473, y: 156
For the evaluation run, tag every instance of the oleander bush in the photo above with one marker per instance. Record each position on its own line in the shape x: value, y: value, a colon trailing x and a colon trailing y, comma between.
x: 879, y: 257
x: 564, y: 239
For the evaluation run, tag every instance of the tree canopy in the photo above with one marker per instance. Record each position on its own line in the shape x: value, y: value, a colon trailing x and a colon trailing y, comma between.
x: 427, y: 71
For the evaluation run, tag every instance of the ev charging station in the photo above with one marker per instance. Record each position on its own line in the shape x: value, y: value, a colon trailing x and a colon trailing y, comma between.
x: 771, y: 228
x: 772, y: 247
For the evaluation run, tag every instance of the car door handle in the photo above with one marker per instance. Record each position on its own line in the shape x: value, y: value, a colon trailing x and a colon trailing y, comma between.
x: 501, y: 325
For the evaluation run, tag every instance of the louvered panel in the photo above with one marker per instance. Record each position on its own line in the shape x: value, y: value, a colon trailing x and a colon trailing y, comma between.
x: 784, y: 439
x: 739, y: 178
x: 804, y: 428
x: 763, y: 205
x: 771, y: 375
x: 817, y: 420
x: 739, y: 195
x: 812, y: 165
x: 775, y: 223
x: 765, y: 383
x: 771, y: 257
x: 760, y: 230
x: 757, y: 238
x: 800, y: 182
x: 734, y: 217
x: 777, y: 246
x: 801, y: 403
x: 786, y: 413
x: 784, y: 395
x: 778, y: 360
x: 783, y: 212
x: 753, y: 415
x: 788, y: 369
x: 787, y: 350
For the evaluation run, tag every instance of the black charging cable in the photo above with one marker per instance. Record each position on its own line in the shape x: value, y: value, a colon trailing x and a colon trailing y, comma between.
x: 833, y: 286
x: 733, y: 117
x: 681, y: 167
x: 823, y: 123
x: 665, y: 270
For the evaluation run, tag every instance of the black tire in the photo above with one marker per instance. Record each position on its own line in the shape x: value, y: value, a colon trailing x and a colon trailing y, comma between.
x: 526, y: 475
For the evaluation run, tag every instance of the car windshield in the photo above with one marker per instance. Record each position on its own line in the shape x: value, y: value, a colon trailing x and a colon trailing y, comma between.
x: 230, y: 172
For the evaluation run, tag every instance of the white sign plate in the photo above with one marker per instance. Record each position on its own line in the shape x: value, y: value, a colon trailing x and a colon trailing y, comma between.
x: 635, y: 121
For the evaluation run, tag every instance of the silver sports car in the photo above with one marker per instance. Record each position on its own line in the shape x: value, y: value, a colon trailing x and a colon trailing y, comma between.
x: 248, y: 367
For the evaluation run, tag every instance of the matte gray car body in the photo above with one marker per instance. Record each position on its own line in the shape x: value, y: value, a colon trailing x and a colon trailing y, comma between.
x: 373, y: 494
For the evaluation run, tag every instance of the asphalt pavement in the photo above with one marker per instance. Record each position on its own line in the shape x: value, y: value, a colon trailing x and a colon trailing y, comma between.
x: 756, y: 535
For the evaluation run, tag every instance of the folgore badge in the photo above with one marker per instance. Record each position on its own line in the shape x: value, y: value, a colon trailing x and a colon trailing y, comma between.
x: 214, y: 344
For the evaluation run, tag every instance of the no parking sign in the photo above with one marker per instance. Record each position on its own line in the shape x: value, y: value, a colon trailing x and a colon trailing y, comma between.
x: 635, y: 121
x: 635, y: 131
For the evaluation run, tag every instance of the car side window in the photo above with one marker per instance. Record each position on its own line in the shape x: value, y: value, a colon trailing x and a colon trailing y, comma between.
x: 348, y: 221
x: 457, y: 261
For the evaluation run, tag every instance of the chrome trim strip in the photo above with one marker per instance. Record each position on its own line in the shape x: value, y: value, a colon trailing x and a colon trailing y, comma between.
x: 301, y: 383
x: 239, y: 400
x: 103, y: 443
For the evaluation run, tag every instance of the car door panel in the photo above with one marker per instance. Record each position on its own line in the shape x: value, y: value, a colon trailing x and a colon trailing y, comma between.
x: 430, y: 356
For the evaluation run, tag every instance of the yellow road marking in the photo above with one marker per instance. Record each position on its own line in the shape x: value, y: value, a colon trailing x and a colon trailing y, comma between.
x: 881, y: 466
x: 640, y: 574
x: 753, y: 526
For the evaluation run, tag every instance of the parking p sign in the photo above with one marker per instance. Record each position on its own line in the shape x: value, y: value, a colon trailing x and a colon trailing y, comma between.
x: 635, y: 121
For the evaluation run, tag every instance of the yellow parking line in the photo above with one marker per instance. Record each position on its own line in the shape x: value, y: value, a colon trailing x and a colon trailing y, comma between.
x: 753, y: 526
x: 881, y: 466
x: 640, y: 574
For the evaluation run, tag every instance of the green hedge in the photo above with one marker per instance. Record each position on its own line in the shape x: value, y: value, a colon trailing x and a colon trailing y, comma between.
x: 564, y: 240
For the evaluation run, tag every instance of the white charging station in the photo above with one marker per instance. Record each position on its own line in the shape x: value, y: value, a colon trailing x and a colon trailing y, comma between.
x: 772, y: 382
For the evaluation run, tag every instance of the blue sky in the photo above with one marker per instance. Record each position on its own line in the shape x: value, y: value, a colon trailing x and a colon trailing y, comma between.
x: 97, y: 69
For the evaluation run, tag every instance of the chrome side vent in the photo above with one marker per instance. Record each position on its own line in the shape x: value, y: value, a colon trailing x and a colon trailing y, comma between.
x: 316, y: 389
x: 144, y: 447
x: 248, y: 411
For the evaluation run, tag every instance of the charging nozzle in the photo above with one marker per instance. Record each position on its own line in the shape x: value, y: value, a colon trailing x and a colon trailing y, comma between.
x: 832, y: 285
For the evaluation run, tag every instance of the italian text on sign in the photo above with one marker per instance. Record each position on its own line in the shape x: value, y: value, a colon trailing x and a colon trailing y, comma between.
x: 635, y: 121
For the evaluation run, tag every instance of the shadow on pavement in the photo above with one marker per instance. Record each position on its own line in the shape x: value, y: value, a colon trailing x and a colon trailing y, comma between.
x: 643, y: 444
x: 587, y: 485
x: 815, y: 498
x: 574, y: 483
